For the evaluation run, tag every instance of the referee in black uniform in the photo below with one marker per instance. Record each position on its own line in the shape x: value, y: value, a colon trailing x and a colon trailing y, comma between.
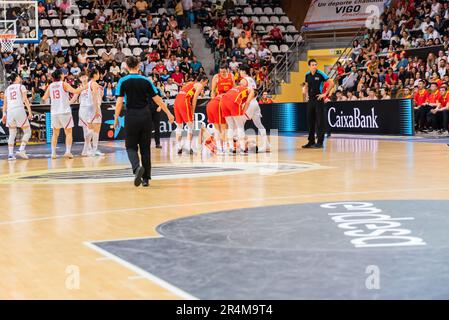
x: 316, y: 109
x: 137, y: 92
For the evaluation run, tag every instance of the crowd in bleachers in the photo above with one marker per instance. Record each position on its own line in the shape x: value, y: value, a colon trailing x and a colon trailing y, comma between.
x: 101, y: 34
x: 253, y: 33
x: 386, y: 62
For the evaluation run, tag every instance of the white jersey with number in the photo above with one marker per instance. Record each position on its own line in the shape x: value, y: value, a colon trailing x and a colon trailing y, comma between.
x: 60, y: 102
x: 14, y: 97
x: 86, y: 97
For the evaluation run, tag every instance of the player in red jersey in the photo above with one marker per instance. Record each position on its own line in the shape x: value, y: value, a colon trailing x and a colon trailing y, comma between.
x: 185, y: 105
x: 234, y: 105
x: 221, y: 83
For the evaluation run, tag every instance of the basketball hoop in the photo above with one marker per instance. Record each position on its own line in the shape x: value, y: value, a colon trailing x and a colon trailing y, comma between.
x: 7, y: 42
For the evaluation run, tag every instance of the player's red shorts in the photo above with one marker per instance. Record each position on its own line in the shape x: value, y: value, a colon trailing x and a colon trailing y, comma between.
x: 214, y: 111
x: 230, y: 107
x: 183, y: 109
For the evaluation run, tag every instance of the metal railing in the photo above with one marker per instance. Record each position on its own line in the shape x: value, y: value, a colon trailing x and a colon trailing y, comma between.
x: 284, y: 65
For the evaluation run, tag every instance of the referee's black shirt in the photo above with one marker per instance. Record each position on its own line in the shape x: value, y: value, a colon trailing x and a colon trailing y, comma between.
x: 315, y: 83
x: 137, y: 90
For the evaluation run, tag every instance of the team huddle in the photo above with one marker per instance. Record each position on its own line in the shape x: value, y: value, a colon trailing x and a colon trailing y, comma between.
x: 89, y: 95
x: 228, y: 110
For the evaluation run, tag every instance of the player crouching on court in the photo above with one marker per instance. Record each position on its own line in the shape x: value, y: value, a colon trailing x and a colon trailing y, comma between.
x: 185, y: 105
x: 14, y: 115
x: 235, y: 103
x: 61, y: 113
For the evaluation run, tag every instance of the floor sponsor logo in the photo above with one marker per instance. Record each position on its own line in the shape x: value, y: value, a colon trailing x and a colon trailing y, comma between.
x: 116, y: 174
x: 370, y: 227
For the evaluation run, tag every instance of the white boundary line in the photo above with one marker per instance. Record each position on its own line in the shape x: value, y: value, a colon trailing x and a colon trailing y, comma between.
x: 130, y: 210
x: 164, y: 284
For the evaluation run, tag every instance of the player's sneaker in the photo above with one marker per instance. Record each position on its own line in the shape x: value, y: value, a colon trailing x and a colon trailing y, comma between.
x: 96, y: 154
x: 179, y: 151
x: 53, y: 155
x: 68, y: 155
x: 11, y: 157
x: 191, y: 152
x: 22, y: 155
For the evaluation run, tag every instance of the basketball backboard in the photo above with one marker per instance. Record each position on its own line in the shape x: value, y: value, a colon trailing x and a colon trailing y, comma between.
x: 20, y: 18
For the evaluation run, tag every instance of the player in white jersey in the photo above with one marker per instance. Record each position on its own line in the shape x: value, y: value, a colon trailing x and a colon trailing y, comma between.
x: 61, y: 113
x: 14, y: 115
x: 90, y: 113
x: 253, y: 112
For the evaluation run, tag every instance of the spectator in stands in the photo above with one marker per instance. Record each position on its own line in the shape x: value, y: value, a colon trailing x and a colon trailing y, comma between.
x: 265, y: 99
x: 276, y: 35
x: 172, y: 88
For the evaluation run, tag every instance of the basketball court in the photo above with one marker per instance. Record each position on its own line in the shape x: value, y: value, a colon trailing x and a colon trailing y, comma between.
x: 262, y: 226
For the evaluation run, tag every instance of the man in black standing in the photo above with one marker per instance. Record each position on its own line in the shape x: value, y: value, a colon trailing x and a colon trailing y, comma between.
x: 156, y: 122
x: 136, y: 92
x: 316, y: 109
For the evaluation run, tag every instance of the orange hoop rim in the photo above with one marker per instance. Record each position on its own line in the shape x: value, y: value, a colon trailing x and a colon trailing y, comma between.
x: 7, y: 36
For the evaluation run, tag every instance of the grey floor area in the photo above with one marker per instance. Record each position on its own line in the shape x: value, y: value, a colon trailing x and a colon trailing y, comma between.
x: 295, y: 252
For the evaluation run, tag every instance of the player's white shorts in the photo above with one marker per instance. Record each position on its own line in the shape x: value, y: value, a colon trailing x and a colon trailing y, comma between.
x: 62, y: 121
x: 87, y: 116
x: 17, y: 118
x: 253, y: 110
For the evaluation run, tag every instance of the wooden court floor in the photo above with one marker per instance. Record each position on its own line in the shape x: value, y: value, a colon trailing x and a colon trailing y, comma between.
x: 47, y: 220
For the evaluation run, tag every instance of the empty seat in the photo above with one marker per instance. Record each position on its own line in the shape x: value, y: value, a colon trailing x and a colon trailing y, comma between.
x: 71, y: 33
x: 284, y: 48
x: 242, y: 2
x: 248, y: 11
x: 98, y: 42
x: 64, y: 43
x: 269, y: 28
x: 52, y: 13
x: 273, y: 48
x: 244, y: 19
x: 161, y: 11
x: 285, y: 19
x: 282, y: 28
x: 274, y: 19
x: 60, y: 33
x: 73, y: 42
x: 264, y: 20
x: 144, y: 41
x: 278, y: 11
x: 56, y: 23
x: 291, y: 28
x: 133, y: 42
x: 114, y: 51
x: 289, y: 38
x: 101, y: 51
x: 44, y: 23
x: 255, y: 19
x: 88, y: 42
x: 268, y: 10
x: 48, y: 33
x: 258, y: 10
x: 127, y: 52
x: 260, y: 28
x: 137, y: 51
